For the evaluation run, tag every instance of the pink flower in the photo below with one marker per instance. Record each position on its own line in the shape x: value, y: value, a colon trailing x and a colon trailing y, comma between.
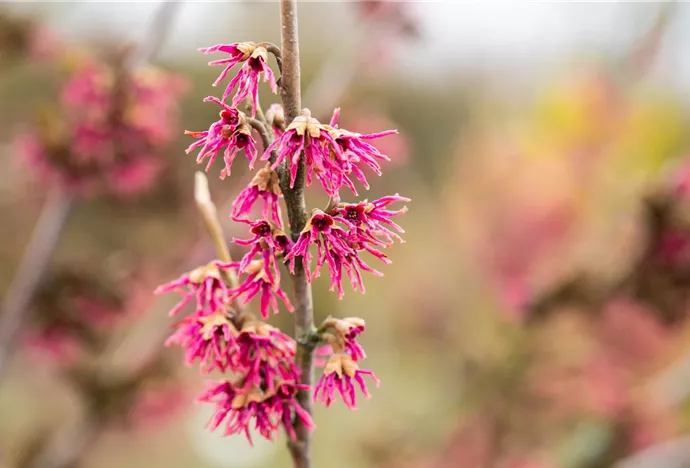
x: 258, y: 282
x: 247, y: 79
x: 335, y: 248
x: 287, y: 409
x: 205, y: 284
x: 269, y: 242
x: 211, y: 339
x: 331, y: 153
x: 345, y: 331
x: 355, y: 150
x: 306, y: 134
x: 106, y: 135
x: 373, y: 218
x: 238, y: 409
x: 265, y: 355
x: 238, y: 53
x: 266, y: 410
x: 339, y: 373
x: 264, y: 185
x: 231, y: 132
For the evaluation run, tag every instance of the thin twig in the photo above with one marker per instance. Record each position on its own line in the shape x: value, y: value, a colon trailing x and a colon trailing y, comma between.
x: 263, y: 132
x: 70, y: 445
x: 202, y: 196
x: 290, y: 92
x: 32, y: 268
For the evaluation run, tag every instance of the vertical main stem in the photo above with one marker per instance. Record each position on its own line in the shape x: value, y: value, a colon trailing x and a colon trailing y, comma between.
x: 290, y: 93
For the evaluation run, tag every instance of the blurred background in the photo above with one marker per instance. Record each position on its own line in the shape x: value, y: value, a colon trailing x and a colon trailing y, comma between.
x: 536, y: 316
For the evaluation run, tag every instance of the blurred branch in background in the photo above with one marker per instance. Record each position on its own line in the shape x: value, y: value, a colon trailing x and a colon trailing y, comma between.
x: 107, y: 398
x: 54, y: 215
x: 32, y: 268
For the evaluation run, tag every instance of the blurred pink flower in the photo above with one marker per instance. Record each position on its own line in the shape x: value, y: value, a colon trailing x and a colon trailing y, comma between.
x: 157, y: 402
x: 631, y: 334
x: 109, y: 131
x: 518, y: 243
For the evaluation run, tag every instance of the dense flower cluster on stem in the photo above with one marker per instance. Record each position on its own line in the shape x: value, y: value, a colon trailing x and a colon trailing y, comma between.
x: 220, y: 333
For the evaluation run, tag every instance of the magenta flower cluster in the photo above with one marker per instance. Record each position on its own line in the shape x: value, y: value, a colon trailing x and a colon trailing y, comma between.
x: 220, y: 334
x: 109, y: 130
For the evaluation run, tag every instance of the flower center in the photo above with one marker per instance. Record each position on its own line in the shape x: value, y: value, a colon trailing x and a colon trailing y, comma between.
x: 263, y: 229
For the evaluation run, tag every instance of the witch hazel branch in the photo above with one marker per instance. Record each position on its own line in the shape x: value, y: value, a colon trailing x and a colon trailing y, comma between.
x: 268, y: 384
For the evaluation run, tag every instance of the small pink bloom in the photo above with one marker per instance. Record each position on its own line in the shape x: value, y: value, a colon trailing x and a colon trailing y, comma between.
x: 268, y: 242
x: 306, y: 134
x: 397, y: 149
x: 346, y: 330
x: 330, y: 153
x: 106, y: 135
x: 265, y: 186
x: 339, y: 373
x: 205, y: 284
x: 334, y: 247
x: 238, y: 52
x: 256, y: 282
x: 265, y: 355
x: 238, y: 409
x: 355, y: 151
x: 231, y: 132
x: 247, y: 79
x: 287, y: 409
x: 210, y: 339
x: 267, y: 410
x: 372, y: 218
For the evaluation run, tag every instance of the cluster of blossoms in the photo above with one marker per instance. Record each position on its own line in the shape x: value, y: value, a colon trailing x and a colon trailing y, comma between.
x: 220, y: 334
x: 73, y: 315
x: 109, y: 131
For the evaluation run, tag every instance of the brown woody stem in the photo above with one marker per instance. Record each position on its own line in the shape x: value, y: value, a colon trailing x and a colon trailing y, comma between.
x: 290, y: 93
